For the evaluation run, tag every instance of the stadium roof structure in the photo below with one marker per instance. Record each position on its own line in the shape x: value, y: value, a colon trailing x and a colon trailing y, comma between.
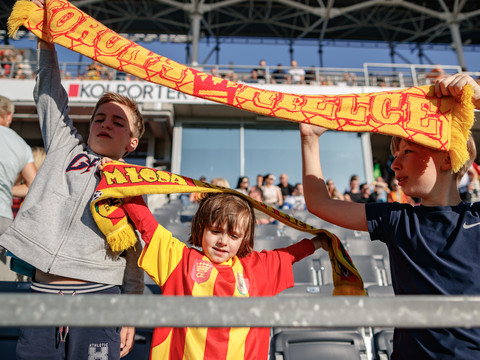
x: 451, y: 22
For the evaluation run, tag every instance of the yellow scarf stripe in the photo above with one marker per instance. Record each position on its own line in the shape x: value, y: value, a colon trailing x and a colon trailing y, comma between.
x: 414, y: 113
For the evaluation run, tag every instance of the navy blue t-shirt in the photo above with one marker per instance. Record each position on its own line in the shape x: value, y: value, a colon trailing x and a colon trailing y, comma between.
x: 433, y: 251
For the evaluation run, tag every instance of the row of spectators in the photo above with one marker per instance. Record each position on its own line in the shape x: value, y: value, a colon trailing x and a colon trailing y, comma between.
x: 13, y: 64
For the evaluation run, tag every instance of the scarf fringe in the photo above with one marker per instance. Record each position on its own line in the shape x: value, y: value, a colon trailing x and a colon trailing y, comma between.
x: 122, y: 239
x: 462, y: 121
x: 21, y: 12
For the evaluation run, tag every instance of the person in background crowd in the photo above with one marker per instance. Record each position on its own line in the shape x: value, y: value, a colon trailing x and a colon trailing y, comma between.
x: 272, y: 195
x: 333, y: 192
x: 259, y: 183
x: 285, y: 187
x: 397, y: 195
x: 295, y: 74
x: 352, y: 193
x: 296, y: 201
x: 242, y: 185
x: 367, y: 196
x: 381, y: 189
x: 16, y: 159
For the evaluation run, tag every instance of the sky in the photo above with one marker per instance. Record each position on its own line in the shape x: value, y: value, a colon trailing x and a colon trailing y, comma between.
x: 335, y: 54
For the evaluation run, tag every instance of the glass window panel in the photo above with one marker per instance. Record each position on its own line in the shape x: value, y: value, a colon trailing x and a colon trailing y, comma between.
x: 211, y: 152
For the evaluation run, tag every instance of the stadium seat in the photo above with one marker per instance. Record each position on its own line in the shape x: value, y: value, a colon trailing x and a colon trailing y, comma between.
x: 370, y: 267
x: 271, y: 242
x: 181, y: 231
x: 383, y: 344
x: 318, y: 344
x: 267, y: 230
x: 306, y: 271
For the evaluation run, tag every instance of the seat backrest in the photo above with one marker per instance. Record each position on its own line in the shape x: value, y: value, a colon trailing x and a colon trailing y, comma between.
x: 271, y: 242
x: 371, y: 268
x: 383, y: 344
x: 319, y: 344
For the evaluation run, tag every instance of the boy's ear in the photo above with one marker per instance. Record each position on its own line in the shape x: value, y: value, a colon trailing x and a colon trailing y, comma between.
x: 447, y: 163
x: 132, y: 145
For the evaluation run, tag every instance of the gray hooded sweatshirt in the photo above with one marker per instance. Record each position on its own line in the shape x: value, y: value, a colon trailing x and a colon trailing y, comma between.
x: 54, y: 230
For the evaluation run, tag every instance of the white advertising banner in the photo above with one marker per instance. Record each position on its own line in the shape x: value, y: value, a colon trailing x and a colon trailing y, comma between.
x: 146, y: 92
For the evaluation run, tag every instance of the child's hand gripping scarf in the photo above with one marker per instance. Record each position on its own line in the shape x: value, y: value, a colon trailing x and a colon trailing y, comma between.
x: 415, y: 113
x: 120, y: 180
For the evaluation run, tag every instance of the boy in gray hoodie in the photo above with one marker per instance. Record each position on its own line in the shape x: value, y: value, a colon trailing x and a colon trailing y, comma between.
x: 55, y: 231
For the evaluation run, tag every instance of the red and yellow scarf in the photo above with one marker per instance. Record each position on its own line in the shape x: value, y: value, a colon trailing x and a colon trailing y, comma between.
x: 120, y: 180
x: 415, y: 113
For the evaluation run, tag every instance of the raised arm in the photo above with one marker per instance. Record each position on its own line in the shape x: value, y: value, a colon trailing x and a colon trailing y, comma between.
x: 342, y: 213
x: 28, y: 174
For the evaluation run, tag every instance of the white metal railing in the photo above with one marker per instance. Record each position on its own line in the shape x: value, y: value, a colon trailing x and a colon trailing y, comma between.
x: 372, y: 74
x: 280, y: 311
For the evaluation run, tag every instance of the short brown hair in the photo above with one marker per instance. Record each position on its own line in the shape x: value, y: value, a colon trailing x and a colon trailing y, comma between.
x: 471, y: 148
x: 138, y: 122
x: 220, y: 209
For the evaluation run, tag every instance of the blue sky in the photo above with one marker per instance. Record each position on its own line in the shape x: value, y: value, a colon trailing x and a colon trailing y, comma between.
x: 343, y: 54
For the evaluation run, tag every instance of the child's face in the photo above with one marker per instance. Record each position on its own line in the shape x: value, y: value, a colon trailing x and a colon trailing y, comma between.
x: 417, y: 168
x: 219, y: 245
x: 111, y: 131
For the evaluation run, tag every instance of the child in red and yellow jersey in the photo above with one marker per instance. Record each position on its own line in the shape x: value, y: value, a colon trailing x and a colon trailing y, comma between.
x: 226, y: 266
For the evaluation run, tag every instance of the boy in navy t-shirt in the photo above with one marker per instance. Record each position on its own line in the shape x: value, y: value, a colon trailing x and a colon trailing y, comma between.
x: 434, y: 248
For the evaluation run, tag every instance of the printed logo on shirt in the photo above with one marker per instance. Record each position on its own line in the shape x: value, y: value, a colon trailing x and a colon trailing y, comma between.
x: 82, y: 162
x: 98, y: 352
x: 201, y: 271
x: 469, y: 226
x: 243, y: 285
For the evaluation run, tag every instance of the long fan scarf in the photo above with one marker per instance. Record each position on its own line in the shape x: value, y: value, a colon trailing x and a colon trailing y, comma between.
x: 120, y: 180
x: 415, y: 113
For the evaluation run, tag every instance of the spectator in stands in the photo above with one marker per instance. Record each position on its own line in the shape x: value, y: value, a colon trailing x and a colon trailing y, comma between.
x: 285, y: 187
x: 279, y: 76
x: 242, y: 184
x: 366, y: 194
x: 468, y: 185
x: 259, y: 182
x: 433, y: 248
x: 295, y: 201
x: 260, y: 73
x: 220, y: 181
x: 352, y: 193
x: 272, y: 195
x: 296, y: 75
x: 16, y: 158
x: 437, y: 73
x: 261, y: 218
x: 397, y: 195
x: 38, y: 154
x: 223, y: 227
x: 311, y: 76
x: 381, y: 189
x: 333, y: 192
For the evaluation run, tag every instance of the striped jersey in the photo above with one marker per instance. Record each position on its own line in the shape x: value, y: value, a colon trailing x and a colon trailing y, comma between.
x: 180, y: 270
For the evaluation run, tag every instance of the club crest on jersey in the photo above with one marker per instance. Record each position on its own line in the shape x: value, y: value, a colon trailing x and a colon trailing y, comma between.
x: 201, y: 271
x: 243, y: 284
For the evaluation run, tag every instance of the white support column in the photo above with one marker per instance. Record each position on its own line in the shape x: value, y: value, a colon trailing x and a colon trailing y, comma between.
x: 457, y: 41
x: 196, y: 17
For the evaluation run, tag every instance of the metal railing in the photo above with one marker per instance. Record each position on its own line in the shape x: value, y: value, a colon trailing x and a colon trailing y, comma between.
x: 372, y: 74
x: 280, y: 311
